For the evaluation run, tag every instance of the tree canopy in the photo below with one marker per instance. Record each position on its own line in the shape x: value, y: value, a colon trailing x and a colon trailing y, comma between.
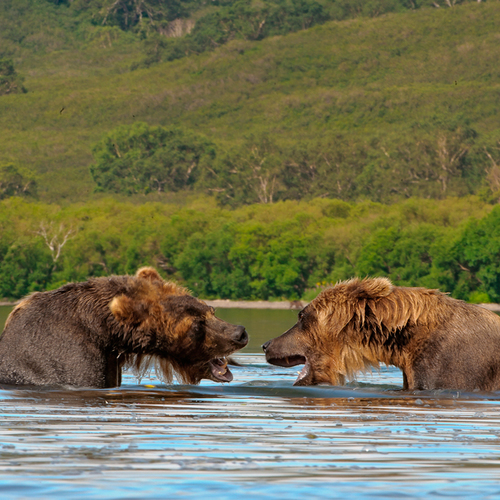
x: 286, y: 250
x: 16, y: 181
x: 140, y: 158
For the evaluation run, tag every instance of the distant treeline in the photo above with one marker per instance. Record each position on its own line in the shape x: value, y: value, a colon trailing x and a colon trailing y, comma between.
x: 286, y: 250
x: 142, y: 159
x: 249, y: 20
x: 177, y: 28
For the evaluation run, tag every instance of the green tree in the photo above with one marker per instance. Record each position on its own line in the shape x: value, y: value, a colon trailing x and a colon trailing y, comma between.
x: 247, y: 20
x: 143, y: 16
x: 332, y: 167
x: 434, y: 163
x: 492, y: 189
x: 25, y: 267
x: 140, y: 158
x: 10, y: 81
x: 252, y: 173
x: 402, y: 254
x: 15, y: 181
x: 476, y: 258
x: 249, y: 259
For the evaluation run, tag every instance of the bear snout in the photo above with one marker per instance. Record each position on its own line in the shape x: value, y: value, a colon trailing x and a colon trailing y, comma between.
x: 240, y: 336
x: 266, y: 345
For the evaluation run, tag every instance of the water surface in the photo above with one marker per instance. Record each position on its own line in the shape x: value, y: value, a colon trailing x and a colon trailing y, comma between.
x: 256, y: 436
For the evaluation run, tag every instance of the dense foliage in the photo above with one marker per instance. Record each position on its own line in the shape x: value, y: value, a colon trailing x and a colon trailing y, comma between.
x: 189, y: 27
x: 138, y: 158
x: 245, y: 20
x: 215, y: 22
x: 16, y: 181
x: 143, y: 159
x: 10, y: 81
x: 285, y: 250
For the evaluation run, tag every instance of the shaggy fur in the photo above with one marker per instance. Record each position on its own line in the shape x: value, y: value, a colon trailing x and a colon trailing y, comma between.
x: 438, y: 342
x: 83, y: 334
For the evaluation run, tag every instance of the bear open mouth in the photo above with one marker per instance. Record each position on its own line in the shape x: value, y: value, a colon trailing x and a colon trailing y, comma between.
x: 220, y: 371
x: 294, y: 360
x: 288, y: 361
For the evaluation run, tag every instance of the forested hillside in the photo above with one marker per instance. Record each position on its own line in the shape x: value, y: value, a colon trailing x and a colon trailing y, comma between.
x: 381, y: 108
x: 250, y: 149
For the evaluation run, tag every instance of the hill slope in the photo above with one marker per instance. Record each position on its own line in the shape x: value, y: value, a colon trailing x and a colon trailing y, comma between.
x: 384, y: 108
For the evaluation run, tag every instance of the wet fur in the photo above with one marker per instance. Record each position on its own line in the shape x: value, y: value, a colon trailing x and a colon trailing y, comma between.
x: 437, y: 341
x: 83, y: 334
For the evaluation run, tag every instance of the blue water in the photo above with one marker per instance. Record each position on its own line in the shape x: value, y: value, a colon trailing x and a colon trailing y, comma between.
x: 259, y: 436
x: 256, y: 437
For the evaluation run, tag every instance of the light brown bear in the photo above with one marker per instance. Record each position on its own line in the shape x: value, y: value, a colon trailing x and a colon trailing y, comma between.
x: 438, y: 342
x: 83, y: 334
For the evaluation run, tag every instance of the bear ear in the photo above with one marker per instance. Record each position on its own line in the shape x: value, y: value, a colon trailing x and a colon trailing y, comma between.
x: 369, y: 288
x: 128, y: 311
x: 148, y: 273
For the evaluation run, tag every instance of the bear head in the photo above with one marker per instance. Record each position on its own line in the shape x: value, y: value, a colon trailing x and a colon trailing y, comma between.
x: 163, y: 324
x: 325, y: 338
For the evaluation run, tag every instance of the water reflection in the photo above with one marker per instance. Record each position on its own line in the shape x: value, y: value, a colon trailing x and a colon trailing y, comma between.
x: 261, y: 324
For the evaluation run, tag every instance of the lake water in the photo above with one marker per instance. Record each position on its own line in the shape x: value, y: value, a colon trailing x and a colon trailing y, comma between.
x: 256, y: 437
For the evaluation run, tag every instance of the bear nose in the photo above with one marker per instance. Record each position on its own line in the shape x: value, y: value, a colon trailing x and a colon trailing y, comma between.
x: 266, y: 345
x: 241, y: 335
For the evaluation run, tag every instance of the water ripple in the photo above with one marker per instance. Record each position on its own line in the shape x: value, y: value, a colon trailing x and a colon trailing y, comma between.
x: 257, y: 436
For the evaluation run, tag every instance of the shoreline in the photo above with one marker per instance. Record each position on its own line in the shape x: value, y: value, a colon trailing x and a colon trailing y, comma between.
x: 491, y: 307
x: 261, y: 304
x: 255, y: 304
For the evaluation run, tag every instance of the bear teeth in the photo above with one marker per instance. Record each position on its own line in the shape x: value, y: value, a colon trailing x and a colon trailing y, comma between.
x: 220, y: 371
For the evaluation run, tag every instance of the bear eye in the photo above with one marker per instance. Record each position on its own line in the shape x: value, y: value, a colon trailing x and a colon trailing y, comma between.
x: 198, y: 329
x: 301, y: 315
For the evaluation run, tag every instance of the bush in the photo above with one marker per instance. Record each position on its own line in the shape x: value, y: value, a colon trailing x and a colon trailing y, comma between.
x: 15, y: 181
x: 10, y: 81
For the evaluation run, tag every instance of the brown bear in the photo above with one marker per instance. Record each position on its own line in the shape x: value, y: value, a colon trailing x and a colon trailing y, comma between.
x: 83, y: 334
x: 438, y: 342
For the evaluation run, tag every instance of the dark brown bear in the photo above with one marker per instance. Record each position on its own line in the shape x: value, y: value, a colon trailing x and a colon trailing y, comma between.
x: 84, y: 333
x: 438, y: 342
